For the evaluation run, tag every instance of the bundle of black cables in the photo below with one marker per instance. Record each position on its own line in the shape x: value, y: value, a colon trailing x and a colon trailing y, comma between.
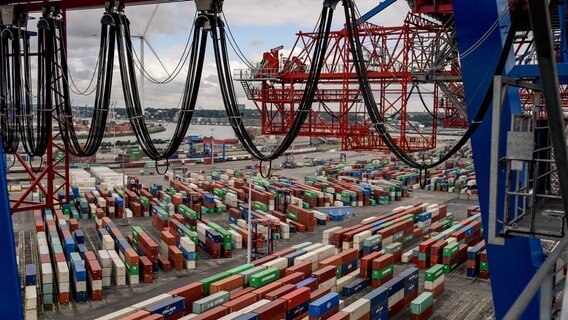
x: 9, y: 99
x: 60, y: 87
x: 130, y: 87
x: 378, y: 120
x: 35, y: 137
x: 228, y: 91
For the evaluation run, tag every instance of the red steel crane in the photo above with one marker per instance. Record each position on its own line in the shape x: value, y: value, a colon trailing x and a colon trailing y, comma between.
x: 410, y: 66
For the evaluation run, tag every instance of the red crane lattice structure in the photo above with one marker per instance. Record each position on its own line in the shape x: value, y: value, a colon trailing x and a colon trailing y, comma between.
x: 52, y: 177
x: 399, y: 60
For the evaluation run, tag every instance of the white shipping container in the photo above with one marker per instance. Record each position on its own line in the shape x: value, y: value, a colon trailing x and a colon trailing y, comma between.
x: 133, y: 279
x: 396, y: 297
x: 31, y: 298
x: 347, y: 245
x: 64, y: 287
x: 80, y: 286
x: 341, y: 282
x: 359, y: 238
x: 120, y: 280
x: 280, y: 263
x: 31, y: 315
x: 104, y: 259
x: 46, y: 273
x: 189, y: 264
x: 108, y: 242
x: 62, y: 272
x: 313, y: 247
x: 325, y: 252
x: 309, y: 257
x: 107, y: 272
x: 106, y: 282
x: 187, y: 244
x: 329, y: 283
x: 118, y: 314
x: 358, y: 309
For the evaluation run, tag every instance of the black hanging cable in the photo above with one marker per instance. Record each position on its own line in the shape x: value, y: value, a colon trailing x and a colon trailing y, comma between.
x: 131, y: 94
x: 60, y: 89
x: 426, y: 106
x: 9, y: 102
x: 229, y: 97
x: 378, y: 121
x: 36, y: 137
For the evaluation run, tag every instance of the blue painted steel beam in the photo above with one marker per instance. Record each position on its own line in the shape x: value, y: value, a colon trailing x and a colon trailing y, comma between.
x: 376, y: 10
x: 513, y: 264
x: 10, y: 295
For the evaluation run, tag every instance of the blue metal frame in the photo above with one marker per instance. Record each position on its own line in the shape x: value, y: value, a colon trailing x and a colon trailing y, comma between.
x: 513, y: 264
x: 376, y: 10
x: 10, y: 294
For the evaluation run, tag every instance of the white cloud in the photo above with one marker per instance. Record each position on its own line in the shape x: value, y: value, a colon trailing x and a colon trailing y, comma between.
x: 168, y: 33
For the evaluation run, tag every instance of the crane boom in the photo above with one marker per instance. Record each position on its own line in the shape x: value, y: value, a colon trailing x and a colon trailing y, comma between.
x: 376, y: 10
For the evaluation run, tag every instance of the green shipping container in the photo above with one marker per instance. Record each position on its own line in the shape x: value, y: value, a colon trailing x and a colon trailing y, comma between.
x: 339, y: 272
x: 292, y: 215
x: 381, y: 274
x: 483, y: 266
x: 421, y: 303
x: 240, y: 269
x: 435, y: 272
x: 310, y: 194
x: 265, y: 277
x: 212, y: 279
x: 451, y: 249
x: 257, y: 205
x: 450, y: 268
x: 132, y: 270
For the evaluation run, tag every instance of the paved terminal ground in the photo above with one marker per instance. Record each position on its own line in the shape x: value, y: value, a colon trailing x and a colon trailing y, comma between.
x: 464, y: 298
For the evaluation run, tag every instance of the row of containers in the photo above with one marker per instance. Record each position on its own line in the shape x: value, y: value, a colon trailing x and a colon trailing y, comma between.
x: 456, y: 175
x: 308, y: 280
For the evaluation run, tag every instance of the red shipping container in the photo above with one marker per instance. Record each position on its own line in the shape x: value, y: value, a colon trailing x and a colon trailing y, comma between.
x: 383, y: 261
x: 160, y: 317
x: 238, y: 293
x: 90, y: 255
x: 425, y: 315
x: 325, y: 273
x: 366, y: 265
x: 264, y: 260
x: 284, y: 252
x: 137, y: 315
x: 341, y: 315
x: 292, y: 279
x: 275, y: 309
x: 168, y: 238
x: 262, y: 291
x: 213, y: 314
x: 164, y: 263
x: 318, y: 293
x: 285, y: 289
x: 97, y: 295
x: 228, y: 284
x: 63, y: 297
x: 304, y: 267
x: 297, y: 297
x: 191, y: 293
x: 241, y: 302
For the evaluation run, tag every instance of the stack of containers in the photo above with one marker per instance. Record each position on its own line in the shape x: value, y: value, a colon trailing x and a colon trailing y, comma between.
x: 383, y: 269
x: 297, y: 302
x: 372, y: 244
x: 379, y: 300
x: 80, y: 281
x: 422, y: 307
x: 324, y: 307
x: 145, y: 270
x: 483, y: 267
x: 434, y: 279
x: 143, y: 244
x: 94, y: 275
x: 424, y: 250
x: 166, y: 240
x: 45, y: 269
x: 189, y: 253
x: 106, y: 265
x: 453, y: 255
x: 436, y: 252
x: 410, y: 277
x: 395, y: 249
x: 395, y: 288
x: 118, y: 269
x: 30, y: 302
x: 473, y: 261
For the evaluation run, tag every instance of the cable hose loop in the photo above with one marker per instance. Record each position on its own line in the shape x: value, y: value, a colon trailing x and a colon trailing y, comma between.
x: 167, y: 167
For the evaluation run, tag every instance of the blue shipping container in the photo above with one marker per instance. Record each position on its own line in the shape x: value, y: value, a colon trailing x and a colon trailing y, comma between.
x: 377, y: 296
x: 294, y: 313
x: 394, y: 285
x: 322, y: 305
x: 305, y: 283
x: 31, y: 272
x: 294, y: 255
x: 354, y: 287
x: 247, y: 316
x: 168, y: 307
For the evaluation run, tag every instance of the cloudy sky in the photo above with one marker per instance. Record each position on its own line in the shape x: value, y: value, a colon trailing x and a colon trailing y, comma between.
x: 257, y: 25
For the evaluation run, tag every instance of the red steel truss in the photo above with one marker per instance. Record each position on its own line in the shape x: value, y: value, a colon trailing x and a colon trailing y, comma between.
x: 398, y: 58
